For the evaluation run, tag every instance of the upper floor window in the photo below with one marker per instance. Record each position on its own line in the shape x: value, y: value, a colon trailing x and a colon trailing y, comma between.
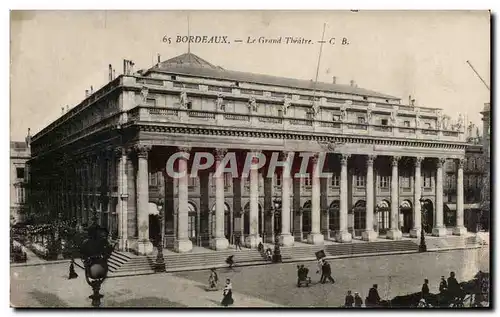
x: 153, y: 179
x: 20, y: 172
x: 428, y: 125
x: 427, y: 179
x: 308, y: 180
x: 191, y: 181
x: 360, y: 181
x: 228, y: 178
x: 406, y: 124
x: 405, y: 180
x: 336, y: 118
x: 361, y: 120
x: 278, y: 179
x: 189, y: 105
x: 309, y: 115
x: 335, y: 181
x: 280, y: 113
x: 383, y: 121
x: 385, y: 181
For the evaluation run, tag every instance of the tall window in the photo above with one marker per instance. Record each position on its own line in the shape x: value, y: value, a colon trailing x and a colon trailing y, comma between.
x: 192, y: 182
x: 360, y: 215
x: 335, y: 182
x: 427, y: 176
x: 153, y: 179
x: 405, y: 180
x: 227, y: 179
x: 309, y: 115
x: 308, y: 180
x: 385, y: 181
x: 20, y: 172
x: 334, y: 219
x: 278, y: 179
x: 20, y: 195
x: 451, y: 181
x: 360, y: 181
x: 192, y: 226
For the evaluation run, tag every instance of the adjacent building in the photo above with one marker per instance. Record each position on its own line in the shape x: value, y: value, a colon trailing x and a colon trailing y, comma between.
x: 19, y: 155
x: 108, y: 154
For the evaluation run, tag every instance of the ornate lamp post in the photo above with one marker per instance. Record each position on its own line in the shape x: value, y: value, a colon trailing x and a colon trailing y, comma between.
x: 422, y: 247
x: 160, y: 261
x: 277, y: 252
x: 95, y: 252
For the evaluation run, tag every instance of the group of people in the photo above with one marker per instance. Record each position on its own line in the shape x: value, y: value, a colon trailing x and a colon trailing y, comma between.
x: 268, y: 253
x: 227, y: 292
x: 323, y: 267
x: 372, y: 300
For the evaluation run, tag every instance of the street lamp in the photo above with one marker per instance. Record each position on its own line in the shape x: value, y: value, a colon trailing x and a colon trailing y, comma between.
x: 160, y: 261
x: 277, y: 252
x: 422, y: 247
x: 95, y: 252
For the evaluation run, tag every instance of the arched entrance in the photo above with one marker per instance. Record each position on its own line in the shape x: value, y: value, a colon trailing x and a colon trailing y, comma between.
x: 246, y: 219
x: 406, y: 216
x: 383, y: 213
x: 334, y: 219
x: 306, y: 218
x: 359, y: 211
x: 427, y: 215
x: 227, y: 221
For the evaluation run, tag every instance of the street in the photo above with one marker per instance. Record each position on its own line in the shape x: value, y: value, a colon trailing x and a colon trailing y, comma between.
x: 258, y: 286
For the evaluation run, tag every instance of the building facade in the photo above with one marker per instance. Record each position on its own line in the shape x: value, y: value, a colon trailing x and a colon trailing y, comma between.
x: 110, y: 154
x: 19, y: 156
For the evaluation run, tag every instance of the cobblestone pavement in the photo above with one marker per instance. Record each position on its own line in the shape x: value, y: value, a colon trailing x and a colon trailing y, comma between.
x: 394, y: 274
x: 259, y: 286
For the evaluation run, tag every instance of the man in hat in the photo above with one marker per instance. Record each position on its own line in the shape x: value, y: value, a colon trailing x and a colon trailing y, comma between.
x: 349, y: 299
x: 358, y: 301
x: 373, y: 298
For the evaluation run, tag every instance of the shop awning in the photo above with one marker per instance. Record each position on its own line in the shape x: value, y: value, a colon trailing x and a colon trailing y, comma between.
x: 453, y: 207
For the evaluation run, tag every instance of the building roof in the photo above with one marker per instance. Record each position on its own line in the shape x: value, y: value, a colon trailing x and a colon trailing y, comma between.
x: 16, y: 145
x: 191, y: 65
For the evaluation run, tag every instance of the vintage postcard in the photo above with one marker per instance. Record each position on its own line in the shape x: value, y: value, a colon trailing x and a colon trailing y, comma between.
x: 250, y: 159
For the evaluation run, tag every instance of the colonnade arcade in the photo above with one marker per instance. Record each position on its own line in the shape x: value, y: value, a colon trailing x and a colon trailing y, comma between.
x: 355, y: 201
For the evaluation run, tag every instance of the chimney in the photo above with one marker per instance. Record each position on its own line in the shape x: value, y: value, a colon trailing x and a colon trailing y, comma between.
x: 86, y: 93
x: 114, y: 73
x: 409, y: 100
x: 353, y: 83
x: 334, y: 81
x: 131, y: 68
x: 159, y: 58
x: 110, y: 72
x: 62, y: 110
x: 125, y: 67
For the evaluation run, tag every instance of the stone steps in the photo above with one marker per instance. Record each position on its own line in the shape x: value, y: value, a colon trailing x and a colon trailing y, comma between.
x: 123, y: 263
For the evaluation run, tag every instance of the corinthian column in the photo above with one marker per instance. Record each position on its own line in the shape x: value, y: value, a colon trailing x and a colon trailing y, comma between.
x: 122, y: 205
x: 144, y: 246
x: 253, y: 239
x: 460, y: 230
x: 369, y: 234
x: 343, y: 235
x: 394, y: 233
x: 439, y: 228
x: 286, y: 238
x: 417, y: 212
x: 219, y: 242
x: 315, y: 237
x: 182, y: 242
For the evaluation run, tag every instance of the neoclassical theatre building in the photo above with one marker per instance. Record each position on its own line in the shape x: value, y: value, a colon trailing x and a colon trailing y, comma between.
x: 108, y: 155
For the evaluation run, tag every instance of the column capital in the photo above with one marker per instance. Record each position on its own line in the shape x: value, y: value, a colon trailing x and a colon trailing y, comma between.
x: 186, y: 149
x: 418, y: 161
x: 344, y: 158
x: 460, y: 163
x: 284, y: 154
x: 142, y: 150
x: 220, y: 153
x: 370, y: 159
x: 395, y: 160
x: 314, y: 158
x: 119, y: 151
x: 440, y: 162
x: 255, y: 156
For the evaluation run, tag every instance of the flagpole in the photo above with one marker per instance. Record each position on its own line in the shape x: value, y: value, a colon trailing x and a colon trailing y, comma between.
x: 189, y: 42
x: 319, y: 59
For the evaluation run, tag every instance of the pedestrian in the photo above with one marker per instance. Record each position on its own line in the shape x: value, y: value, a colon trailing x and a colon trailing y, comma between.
x: 349, y: 299
x: 227, y: 294
x: 213, y: 280
x: 72, y: 272
x: 320, y: 268
x: 443, y: 286
x: 453, y: 286
x: 425, y: 289
x: 358, y: 301
x: 230, y: 261
x: 373, y: 298
x: 260, y: 247
x: 237, y: 242
x: 327, y: 272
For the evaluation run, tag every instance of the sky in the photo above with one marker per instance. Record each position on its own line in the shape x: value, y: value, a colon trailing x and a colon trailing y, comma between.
x: 57, y: 55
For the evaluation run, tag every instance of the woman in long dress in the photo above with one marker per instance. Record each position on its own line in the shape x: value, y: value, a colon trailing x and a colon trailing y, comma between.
x: 227, y: 298
x: 213, y: 279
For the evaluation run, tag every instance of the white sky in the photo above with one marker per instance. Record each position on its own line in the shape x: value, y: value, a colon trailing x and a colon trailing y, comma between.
x: 55, y: 56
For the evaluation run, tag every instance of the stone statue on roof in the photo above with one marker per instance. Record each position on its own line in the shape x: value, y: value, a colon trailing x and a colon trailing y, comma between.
x: 315, y: 108
x: 343, y: 113
x: 286, y: 104
x: 252, y: 104
x: 144, y: 93
x: 393, y: 118
x: 183, y: 99
x: 460, y: 122
x: 445, y: 122
x: 219, y: 102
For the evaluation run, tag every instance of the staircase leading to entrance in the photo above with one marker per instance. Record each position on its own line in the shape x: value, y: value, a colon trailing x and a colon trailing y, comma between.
x: 124, y: 263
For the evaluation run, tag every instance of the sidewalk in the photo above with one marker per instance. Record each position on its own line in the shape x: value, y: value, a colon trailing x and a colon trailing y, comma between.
x: 32, y: 259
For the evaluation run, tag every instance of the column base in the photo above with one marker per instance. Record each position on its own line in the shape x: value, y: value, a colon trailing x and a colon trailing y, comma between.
x: 439, y: 232
x: 144, y: 247
x: 122, y: 245
x: 415, y: 233
x: 343, y: 237
x: 394, y: 234
x: 182, y: 246
x: 369, y: 235
x: 287, y: 240
x: 315, y: 238
x: 459, y: 231
x: 326, y: 234
x: 219, y: 244
x: 252, y: 241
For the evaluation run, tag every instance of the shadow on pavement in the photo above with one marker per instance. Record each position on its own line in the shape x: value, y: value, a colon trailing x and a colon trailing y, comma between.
x: 48, y: 299
x: 144, y: 302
